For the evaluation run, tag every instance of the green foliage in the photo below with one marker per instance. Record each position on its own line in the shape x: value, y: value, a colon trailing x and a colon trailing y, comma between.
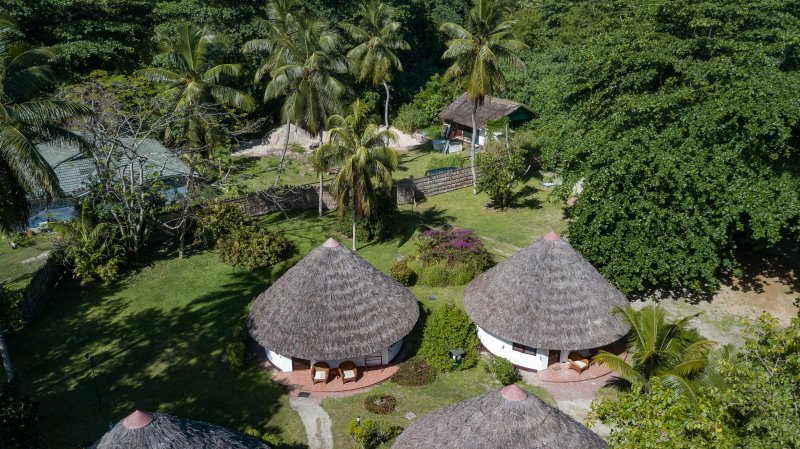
x: 451, y: 257
x: 220, y: 220
x: 19, y: 422
x: 448, y: 327
x: 424, y: 108
x: 446, y: 160
x: 414, y: 372
x: 91, y: 251
x: 443, y: 274
x: 504, y: 371
x: 500, y: 172
x: 10, y: 311
x: 369, y: 434
x: 272, y: 439
x: 254, y: 248
x: 380, y: 404
x: 402, y: 273
x: 234, y: 354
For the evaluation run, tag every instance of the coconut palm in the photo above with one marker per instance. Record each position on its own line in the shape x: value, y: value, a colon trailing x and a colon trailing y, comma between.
x: 27, y: 116
x: 196, y: 80
x: 367, y: 163
x: 377, y: 37
x: 304, y: 65
x: 671, y: 351
x: 478, y: 51
x: 322, y: 161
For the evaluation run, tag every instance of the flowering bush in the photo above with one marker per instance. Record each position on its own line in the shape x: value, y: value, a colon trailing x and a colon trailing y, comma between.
x: 451, y: 257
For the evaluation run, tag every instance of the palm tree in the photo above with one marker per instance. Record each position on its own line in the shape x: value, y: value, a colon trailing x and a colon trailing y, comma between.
x: 671, y: 351
x: 478, y: 51
x: 322, y: 161
x: 377, y: 37
x: 196, y: 79
x: 27, y: 116
x: 304, y: 65
x: 367, y: 163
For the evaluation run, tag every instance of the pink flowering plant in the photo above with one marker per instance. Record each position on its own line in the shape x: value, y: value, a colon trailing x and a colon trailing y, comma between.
x: 457, y: 254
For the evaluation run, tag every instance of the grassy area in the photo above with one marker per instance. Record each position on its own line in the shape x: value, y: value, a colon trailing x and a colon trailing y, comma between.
x: 445, y: 390
x: 18, y: 265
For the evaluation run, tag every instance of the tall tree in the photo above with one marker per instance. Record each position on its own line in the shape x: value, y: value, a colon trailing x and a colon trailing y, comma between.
x: 657, y: 347
x: 478, y: 51
x: 195, y: 79
x: 304, y: 64
x: 377, y: 36
x: 367, y: 163
x: 28, y: 115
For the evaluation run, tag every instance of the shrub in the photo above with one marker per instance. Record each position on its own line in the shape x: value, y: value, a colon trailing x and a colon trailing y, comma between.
x: 382, y: 404
x: 240, y: 332
x: 402, y: 273
x: 368, y: 434
x: 447, y: 160
x: 252, y: 432
x: 272, y: 439
x: 235, y: 355
x: 500, y: 171
x: 424, y: 108
x: 414, y: 372
x: 20, y: 421
x: 503, y: 370
x: 221, y: 220
x: 453, y: 246
x: 448, y: 328
x: 435, y: 275
x: 90, y: 250
x: 253, y: 248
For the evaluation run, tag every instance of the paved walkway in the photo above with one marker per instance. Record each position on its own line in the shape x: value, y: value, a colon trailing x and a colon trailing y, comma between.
x: 316, y: 421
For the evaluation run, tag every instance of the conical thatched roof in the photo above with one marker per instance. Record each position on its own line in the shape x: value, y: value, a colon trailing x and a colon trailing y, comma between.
x: 546, y: 296
x: 503, y: 419
x: 142, y: 430
x: 332, y: 305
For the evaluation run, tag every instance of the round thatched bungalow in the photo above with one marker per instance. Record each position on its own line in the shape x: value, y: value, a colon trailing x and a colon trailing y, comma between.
x: 331, y: 307
x: 142, y: 430
x: 542, y: 303
x: 503, y: 419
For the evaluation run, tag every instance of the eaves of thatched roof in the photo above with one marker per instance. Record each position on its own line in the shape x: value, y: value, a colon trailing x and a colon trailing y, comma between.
x: 332, y: 305
x: 502, y: 419
x: 460, y: 111
x: 546, y: 296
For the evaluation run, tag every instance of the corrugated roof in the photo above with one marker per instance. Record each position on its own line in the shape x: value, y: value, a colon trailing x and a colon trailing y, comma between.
x: 460, y: 111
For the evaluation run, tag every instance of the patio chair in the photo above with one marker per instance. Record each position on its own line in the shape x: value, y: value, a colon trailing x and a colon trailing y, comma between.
x: 348, y: 372
x: 320, y: 372
x: 578, y: 362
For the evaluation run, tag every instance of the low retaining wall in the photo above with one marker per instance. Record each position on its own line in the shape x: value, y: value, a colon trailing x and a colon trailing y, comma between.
x: 301, y: 197
x: 413, y: 189
x: 39, y: 290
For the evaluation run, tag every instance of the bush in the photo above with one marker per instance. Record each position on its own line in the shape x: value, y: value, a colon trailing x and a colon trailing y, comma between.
x: 221, y: 220
x: 402, y: 273
x: 369, y: 434
x: 235, y: 355
x: 447, y: 160
x: 271, y: 439
x: 440, y: 274
x: 240, y: 331
x: 380, y: 404
x: 253, y: 248
x: 90, y: 250
x: 500, y: 171
x: 453, y: 246
x: 424, y: 108
x: 448, y: 328
x: 503, y: 370
x: 20, y: 421
x: 414, y: 372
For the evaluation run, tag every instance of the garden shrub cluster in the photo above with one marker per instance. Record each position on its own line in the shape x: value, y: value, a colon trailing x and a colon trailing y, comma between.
x: 381, y: 404
x: 273, y: 440
x: 424, y: 109
x: 234, y: 353
x: 369, y: 434
x: 451, y: 257
x: 449, y: 327
x: 402, y: 273
x: 89, y: 249
x: 414, y: 372
x: 504, y: 371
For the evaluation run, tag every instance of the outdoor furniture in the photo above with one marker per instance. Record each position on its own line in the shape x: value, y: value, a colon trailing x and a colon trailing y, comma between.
x: 320, y: 372
x: 578, y: 362
x: 348, y: 372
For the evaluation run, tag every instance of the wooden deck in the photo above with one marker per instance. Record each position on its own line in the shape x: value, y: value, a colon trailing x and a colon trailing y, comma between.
x: 300, y: 381
x: 561, y: 372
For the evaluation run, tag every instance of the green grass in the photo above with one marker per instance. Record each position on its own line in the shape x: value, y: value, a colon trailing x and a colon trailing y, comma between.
x: 17, y: 265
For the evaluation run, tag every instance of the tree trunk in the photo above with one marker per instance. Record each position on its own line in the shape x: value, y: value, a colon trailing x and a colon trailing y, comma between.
x: 508, y: 146
x: 9, y: 368
x: 355, y: 215
x: 472, y: 149
x: 320, y: 192
x: 386, y: 106
x: 283, y: 154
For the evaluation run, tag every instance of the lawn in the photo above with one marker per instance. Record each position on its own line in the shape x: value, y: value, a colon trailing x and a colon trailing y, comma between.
x: 157, y: 337
x: 18, y: 265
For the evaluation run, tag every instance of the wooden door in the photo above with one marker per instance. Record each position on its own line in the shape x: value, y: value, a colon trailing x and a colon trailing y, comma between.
x: 300, y: 364
x: 553, y: 357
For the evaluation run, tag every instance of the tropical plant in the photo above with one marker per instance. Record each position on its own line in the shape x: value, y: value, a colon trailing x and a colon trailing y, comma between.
x: 304, y: 63
x: 503, y: 370
x: 478, y: 51
x: 367, y: 163
x: 449, y: 327
x: 377, y: 36
x: 322, y: 161
x: 28, y: 115
x: 252, y: 248
x: 195, y: 81
x: 669, y: 350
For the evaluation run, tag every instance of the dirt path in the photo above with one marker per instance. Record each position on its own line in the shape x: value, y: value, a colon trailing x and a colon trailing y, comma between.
x: 316, y: 421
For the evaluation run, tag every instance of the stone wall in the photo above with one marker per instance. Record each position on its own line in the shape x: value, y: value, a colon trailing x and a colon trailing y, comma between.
x: 39, y: 291
x: 414, y: 189
x: 300, y: 197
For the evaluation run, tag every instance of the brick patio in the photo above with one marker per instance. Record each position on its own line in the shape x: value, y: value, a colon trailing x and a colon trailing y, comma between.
x: 300, y: 381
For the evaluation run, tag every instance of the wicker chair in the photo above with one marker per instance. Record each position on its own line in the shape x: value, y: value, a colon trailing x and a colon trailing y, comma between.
x: 578, y: 362
x: 320, y: 372
x: 348, y: 372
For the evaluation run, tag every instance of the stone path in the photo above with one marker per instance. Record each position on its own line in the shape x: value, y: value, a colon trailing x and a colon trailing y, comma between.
x: 316, y: 421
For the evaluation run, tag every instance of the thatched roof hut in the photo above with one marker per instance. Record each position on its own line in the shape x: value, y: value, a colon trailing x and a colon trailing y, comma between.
x: 460, y: 111
x: 142, y: 430
x: 502, y: 419
x: 546, y: 296
x: 332, y: 305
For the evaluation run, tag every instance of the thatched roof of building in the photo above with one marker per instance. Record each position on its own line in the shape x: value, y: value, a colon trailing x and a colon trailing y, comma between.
x: 142, y: 430
x: 332, y: 305
x: 460, y: 111
x: 546, y: 296
x: 502, y: 419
